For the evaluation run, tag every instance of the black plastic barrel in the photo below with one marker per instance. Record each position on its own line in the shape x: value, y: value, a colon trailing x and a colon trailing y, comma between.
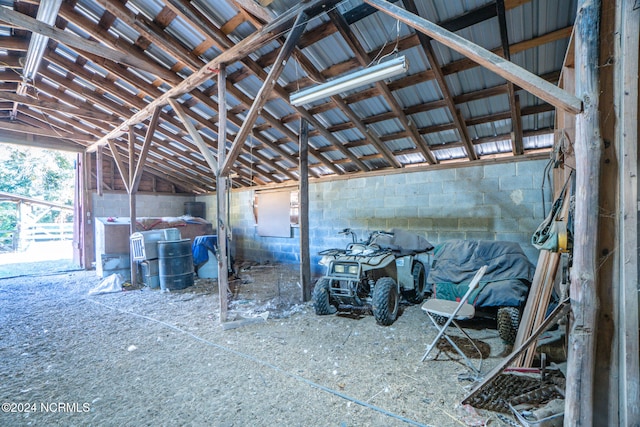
x: 196, y: 209
x: 175, y: 264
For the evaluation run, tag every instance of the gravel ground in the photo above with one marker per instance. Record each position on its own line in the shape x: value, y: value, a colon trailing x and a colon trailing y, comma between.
x: 142, y: 357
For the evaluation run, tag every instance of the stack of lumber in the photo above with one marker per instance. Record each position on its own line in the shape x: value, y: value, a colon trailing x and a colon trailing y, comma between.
x: 539, y: 297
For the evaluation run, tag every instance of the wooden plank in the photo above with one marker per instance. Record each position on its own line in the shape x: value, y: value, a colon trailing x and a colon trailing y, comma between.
x: 221, y: 195
x: 584, y: 275
x: 508, y: 70
x: 57, y: 106
x: 626, y: 90
x: 119, y: 164
x: 527, y: 318
x: 71, y: 40
x: 561, y: 310
x: 303, y: 212
x: 238, y: 51
x: 144, y: 151
x: 195, y: 135
x: 263, y: 94
x: 33, y: 130
x: 99, y: 171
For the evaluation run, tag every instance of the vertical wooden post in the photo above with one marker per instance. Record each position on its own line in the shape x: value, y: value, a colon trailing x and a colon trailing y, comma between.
x: 132, y: 200
x: 86, y: 212
x: 303, y: 215
x: 588, y: 151
x: 626, y: 103
x: 221, y: 191
x: 99, y: 170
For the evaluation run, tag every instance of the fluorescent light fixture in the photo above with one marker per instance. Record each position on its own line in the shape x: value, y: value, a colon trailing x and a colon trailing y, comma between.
x: 47, y: 13
x: 351, y: 81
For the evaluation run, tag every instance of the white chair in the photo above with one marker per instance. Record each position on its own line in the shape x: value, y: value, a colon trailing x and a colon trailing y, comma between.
x: 454, y: 311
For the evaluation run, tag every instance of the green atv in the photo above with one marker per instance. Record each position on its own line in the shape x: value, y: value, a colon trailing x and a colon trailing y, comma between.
x: 372, y: 275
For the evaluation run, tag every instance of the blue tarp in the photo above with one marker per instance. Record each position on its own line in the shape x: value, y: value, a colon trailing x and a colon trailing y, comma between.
x: 201, y: 247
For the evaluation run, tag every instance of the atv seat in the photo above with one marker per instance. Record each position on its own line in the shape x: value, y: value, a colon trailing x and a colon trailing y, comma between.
x: 454, y: 311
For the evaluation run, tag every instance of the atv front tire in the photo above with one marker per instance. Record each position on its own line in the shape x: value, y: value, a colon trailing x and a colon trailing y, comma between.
x: 508, y: 319
x: 321, y: 298
x: 416, y: 295
x: 385, y: 301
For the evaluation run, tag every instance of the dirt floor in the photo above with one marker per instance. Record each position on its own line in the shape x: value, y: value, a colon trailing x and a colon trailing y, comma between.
x: 143, y: 357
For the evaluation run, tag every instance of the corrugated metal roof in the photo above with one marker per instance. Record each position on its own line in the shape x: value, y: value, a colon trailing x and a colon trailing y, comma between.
x: 487, y: 113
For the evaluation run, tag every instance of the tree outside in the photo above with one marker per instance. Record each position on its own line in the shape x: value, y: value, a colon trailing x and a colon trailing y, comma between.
x: 39, y: 174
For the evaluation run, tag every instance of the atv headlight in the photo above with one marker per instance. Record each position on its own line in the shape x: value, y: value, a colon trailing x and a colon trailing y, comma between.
x: 353, y: 269
x: 338, y: 268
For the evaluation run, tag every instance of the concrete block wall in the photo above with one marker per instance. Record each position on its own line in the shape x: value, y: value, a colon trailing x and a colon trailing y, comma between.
x: 501, y: 201
x: 147, y: 205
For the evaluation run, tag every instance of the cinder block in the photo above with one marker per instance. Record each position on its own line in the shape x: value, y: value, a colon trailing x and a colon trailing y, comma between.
x: 486, y: 185
x: 439, y: 199
x: 407, y: 211
x: 418, y: 223
x: 442, y: 175
x: 528, y: 225
x: 468, y: 199
x: 398, y: 222
x: 500, y: 170
x: 534, y: 168
x: 524, y: 182
x: 356, y: 183
x: 394, y: 202
x: 517, y: 211
x: 474, y: 224
x: 376, y: 224
x: 522, y: 238
x: 505, y: 225
x: 445, y: 224
x: 395, y: 179
x: 384, y: 213
x: 480, y: 235
x: 472, y: 173
x: 451, y: 235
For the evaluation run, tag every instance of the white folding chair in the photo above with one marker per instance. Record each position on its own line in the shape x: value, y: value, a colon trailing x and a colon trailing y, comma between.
x: 454, y: 311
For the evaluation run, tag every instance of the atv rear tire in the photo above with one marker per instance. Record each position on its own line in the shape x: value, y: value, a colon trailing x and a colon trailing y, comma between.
x: 321, y: 298
x: 508, y: 319
x: 416, y: 295
x: 385, y: 301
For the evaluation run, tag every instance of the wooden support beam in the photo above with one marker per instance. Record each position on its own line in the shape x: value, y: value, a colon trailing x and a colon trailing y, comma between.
x: 238, y: 51
x: 133, y: 217
x: 99, y: 171
x: 33, y: 130
x: 396, y: 108
x: 195, y: 136
x: 464, y: 136
x: 124, y: 174
x: 33, y: 25
x: 303, y: 213
x: 458, y: 121
x: 57, y: 106
x: 264, y: 92
x: 144, y: 151
x: 310, y: 69
x: 514, y: 102
x: 508, y: 70
x: 221, y: 195
x: 627, y: 118
x: 584, y: 274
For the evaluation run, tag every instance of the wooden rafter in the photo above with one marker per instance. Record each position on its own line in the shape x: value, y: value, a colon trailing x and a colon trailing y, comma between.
x: 514, y: 100
x: 458, y: 120
x: 511, y: 72
x: 31, y: 24
x: 362, y: 57
x: 263, y: 94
